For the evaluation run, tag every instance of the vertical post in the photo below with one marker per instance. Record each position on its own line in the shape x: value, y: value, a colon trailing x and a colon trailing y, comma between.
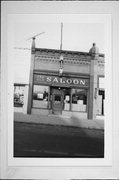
x: 87, y: 106
x: 61, y: 56
x: 61, y: 36
x: 70, y: 100
x: 49, y: 98
x: 30, y: 91
x: 92, y: 106
x: 25, y: 99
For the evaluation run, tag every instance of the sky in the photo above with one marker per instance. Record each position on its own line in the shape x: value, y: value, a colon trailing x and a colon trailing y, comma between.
x: 76, y: 37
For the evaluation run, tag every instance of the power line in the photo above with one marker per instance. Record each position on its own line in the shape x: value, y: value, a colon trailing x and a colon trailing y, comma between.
x: 22, y: 48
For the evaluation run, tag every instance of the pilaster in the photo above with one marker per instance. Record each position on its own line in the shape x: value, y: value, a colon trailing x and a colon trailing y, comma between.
x: 92, y: 106
x: 30, y: 91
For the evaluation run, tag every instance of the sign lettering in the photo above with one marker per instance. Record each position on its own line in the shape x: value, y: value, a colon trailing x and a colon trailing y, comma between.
x: 60, y: 81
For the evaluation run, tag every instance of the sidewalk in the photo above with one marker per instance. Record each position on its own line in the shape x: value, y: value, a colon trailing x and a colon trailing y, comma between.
x: 59, y: 120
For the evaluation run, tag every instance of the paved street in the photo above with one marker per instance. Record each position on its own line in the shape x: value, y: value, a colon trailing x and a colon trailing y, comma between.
x: 42, y: 140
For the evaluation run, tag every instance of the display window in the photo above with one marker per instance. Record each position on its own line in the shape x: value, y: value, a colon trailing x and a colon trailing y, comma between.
x: 40, y: 96
x: 18, y: 96
x: 79, y: 100
x: 73, y: 99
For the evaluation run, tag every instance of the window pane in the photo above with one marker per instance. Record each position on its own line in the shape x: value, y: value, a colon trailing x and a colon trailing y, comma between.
x: 67, y: 99
x: 79, y: 100
x: 57, y: 98
x: 40, y: 96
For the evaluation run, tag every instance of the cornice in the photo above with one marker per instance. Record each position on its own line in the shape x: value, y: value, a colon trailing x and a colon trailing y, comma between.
x: 64, y: 52
x: 65, y: 61
x: 82, y: 60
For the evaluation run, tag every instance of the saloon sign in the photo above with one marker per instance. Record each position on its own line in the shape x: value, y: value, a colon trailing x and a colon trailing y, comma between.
x: 60, y: 81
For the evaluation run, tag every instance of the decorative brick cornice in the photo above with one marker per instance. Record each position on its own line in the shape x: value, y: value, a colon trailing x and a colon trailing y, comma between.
x: 64, y: 52
x: 67, y: 60
x: 70, y: 57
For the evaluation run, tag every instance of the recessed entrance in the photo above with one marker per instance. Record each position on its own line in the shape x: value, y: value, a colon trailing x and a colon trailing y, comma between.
x: 57, y: 100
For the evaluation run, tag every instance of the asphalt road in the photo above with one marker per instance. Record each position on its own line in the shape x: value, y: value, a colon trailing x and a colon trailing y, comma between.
x: 39, y: 140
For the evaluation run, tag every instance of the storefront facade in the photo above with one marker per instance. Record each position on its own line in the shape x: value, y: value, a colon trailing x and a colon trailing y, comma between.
x: 59, y: 94
x: 75, y: 91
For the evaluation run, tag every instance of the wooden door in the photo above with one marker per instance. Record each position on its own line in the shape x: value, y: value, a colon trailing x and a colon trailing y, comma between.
x: 57, y: 101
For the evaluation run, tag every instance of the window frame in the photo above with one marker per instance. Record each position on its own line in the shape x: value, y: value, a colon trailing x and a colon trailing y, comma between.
x: 86, y: 100
x: 48, y: 106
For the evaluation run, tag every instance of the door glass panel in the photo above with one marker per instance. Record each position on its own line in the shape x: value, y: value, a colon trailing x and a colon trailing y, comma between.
x: 57, y: 98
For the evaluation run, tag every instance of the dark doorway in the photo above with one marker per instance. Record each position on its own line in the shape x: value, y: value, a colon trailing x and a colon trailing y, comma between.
x: 102, y: 93
x: 57, y: 100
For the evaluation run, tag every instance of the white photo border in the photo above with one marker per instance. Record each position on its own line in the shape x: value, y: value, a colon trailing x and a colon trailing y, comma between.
x: 12, y: 166
x: 57, y: 18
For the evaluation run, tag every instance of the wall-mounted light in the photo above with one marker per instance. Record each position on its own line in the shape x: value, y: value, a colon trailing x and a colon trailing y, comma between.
x: 61, y: 56
x: 61, y: 65
x: 60, y: 71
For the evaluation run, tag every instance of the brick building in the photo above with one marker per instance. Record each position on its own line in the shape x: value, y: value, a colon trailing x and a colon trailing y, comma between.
x: 66, y: 82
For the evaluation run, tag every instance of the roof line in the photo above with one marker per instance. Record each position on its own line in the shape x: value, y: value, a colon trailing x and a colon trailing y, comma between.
x: 66, y: 51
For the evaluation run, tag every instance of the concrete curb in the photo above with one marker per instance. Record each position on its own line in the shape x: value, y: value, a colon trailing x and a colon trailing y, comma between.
x: 60, y: 121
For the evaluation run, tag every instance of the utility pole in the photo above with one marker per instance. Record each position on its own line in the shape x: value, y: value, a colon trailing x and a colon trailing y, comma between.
x: 61, y: 36
x: 61, y: 56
